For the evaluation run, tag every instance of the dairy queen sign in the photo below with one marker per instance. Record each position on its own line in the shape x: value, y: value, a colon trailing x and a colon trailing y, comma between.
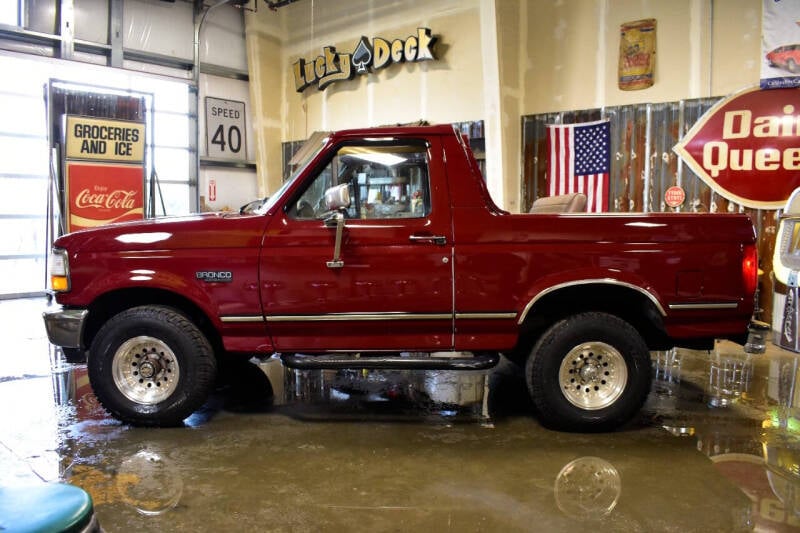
x: 747, y: 147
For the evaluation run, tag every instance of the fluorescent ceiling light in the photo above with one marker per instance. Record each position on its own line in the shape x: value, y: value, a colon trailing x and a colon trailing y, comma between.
x: 388, y: 160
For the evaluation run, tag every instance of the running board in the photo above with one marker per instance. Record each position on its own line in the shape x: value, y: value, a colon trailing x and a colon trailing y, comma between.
x: 337, y: 362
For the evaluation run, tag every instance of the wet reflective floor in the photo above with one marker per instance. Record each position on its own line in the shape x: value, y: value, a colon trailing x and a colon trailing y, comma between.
x: 717, y: 448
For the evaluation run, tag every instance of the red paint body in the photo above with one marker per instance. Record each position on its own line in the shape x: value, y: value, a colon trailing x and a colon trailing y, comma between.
x: 496, y: 271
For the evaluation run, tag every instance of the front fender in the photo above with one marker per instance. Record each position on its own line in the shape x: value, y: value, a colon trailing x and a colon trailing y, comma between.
x: 146, y: 279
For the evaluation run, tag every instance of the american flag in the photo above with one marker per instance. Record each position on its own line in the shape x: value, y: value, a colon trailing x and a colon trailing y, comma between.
x: 579, y: 161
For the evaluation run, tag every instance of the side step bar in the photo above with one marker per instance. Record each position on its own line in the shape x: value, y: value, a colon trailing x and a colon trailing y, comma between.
x: 337, y: 362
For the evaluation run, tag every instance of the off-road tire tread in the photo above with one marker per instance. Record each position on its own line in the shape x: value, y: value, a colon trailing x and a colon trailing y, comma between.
x: 198, y: 368
x: 557, y: 413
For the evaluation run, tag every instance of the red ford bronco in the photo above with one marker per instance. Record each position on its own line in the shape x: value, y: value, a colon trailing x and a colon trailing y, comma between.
x: 385, y: 251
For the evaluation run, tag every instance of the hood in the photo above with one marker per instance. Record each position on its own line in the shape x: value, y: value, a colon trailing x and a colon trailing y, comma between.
x: 207, y: 230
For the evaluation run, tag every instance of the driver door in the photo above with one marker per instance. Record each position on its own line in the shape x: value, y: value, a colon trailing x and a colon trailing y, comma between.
x: 393, y: 286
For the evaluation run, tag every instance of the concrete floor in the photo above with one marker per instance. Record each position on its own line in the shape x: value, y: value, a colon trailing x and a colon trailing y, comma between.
x: 717, y: 448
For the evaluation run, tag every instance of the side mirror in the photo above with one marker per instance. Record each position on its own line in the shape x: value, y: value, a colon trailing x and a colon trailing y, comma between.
x: 337, y: 197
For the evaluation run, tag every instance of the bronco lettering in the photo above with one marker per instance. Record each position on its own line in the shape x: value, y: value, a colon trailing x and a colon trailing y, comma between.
x: 221, y: 276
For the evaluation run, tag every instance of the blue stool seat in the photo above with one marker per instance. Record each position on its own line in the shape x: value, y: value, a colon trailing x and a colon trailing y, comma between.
x: 53, y: 507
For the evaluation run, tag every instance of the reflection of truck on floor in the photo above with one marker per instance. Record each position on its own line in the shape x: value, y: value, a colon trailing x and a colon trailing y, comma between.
x: 385, y: 251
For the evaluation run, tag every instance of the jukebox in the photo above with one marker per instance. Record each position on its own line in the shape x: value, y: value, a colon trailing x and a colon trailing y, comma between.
x: 786, y: 265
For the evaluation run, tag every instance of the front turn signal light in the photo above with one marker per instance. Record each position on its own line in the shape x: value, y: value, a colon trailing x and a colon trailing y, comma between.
x: 59, y: 270
x: 59, y: 283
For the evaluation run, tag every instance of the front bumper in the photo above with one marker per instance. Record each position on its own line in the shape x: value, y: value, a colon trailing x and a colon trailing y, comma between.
x: 65, y: 326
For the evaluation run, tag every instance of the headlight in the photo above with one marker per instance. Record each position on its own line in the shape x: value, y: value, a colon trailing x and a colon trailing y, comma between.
x: 59, y: 270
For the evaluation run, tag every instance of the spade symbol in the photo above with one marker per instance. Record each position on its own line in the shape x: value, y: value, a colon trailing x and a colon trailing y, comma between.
x: 362, y: 56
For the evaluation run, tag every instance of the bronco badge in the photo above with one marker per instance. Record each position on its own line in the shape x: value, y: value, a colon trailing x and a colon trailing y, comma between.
x: 215, y: 276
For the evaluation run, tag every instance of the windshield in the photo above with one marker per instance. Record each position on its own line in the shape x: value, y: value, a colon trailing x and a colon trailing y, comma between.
x: 307, y: 152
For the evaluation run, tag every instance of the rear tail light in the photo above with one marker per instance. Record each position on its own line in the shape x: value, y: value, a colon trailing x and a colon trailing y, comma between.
x: 750, y: 269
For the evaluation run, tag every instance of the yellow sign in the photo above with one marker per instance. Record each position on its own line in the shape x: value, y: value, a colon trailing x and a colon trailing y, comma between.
x: 105, y: 140
x: 637, y: 54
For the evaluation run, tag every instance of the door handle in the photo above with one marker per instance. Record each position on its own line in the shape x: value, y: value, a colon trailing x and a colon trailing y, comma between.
x: 441, y: 240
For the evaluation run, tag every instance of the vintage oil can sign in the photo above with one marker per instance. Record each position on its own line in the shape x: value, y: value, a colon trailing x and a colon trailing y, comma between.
x: 747, y: 147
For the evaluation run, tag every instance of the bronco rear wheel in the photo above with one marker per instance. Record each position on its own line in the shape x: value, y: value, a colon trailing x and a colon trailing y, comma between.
x: 589, y: 372
x: 151, y: 366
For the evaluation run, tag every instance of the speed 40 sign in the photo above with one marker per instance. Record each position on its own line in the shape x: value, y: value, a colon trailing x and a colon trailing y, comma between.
x: 225, y: 129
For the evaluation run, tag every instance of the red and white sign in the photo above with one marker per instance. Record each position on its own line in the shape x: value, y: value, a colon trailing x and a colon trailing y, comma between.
x: 102, y: 193
x: 674, y: 196
x: 212, y: 190
x: 747, y: 147
x: 104, y: 171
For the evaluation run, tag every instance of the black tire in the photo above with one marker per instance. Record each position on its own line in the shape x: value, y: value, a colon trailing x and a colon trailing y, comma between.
x: 589, y: 372
x: 151, y: 366
x: 791, y: 66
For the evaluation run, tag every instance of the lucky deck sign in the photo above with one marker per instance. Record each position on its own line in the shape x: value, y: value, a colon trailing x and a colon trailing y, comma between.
x: 367, y: 56
x: 104, y: 177
x: 747, y: 147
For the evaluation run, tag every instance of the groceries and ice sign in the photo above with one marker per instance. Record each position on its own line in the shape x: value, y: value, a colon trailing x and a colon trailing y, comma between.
x: 104, y: 171
x: 747, y: 147
x: 105, y: 140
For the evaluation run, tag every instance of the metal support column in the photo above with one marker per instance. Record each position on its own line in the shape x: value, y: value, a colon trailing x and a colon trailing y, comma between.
x: 66, y: 19
x: 115, y: 33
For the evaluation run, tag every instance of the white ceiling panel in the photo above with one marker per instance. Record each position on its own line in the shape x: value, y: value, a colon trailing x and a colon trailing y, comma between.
x: 157, y: 27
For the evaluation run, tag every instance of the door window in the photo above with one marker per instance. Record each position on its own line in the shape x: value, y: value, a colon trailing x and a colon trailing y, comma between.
x: 385, y: 182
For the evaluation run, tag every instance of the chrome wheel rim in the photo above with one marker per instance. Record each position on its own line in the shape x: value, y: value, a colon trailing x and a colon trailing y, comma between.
x: 593, y: 375
x: 145, y: 370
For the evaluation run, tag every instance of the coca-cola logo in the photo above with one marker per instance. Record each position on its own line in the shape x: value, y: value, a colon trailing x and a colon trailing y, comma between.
x: 747, y: 147
x: 116, y: 199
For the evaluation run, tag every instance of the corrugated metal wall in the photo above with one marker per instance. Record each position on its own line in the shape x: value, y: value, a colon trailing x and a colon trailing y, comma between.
x: 643, y: 167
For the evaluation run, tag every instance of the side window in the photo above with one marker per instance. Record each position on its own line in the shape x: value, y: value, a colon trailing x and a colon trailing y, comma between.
x: 386, y: 181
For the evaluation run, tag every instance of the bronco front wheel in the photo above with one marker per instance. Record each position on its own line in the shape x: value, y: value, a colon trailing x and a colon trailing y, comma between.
x: 151, y: 366
x: 589, y: 372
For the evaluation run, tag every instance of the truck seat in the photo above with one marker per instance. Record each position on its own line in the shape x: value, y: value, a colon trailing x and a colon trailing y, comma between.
x: 563, y: 203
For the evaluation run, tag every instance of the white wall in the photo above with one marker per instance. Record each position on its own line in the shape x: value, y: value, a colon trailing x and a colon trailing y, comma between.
x: 449, y: 89
x: 164, y: 29
x: 560, y: 55
x: 222, y: 42
x: 159, y: 27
